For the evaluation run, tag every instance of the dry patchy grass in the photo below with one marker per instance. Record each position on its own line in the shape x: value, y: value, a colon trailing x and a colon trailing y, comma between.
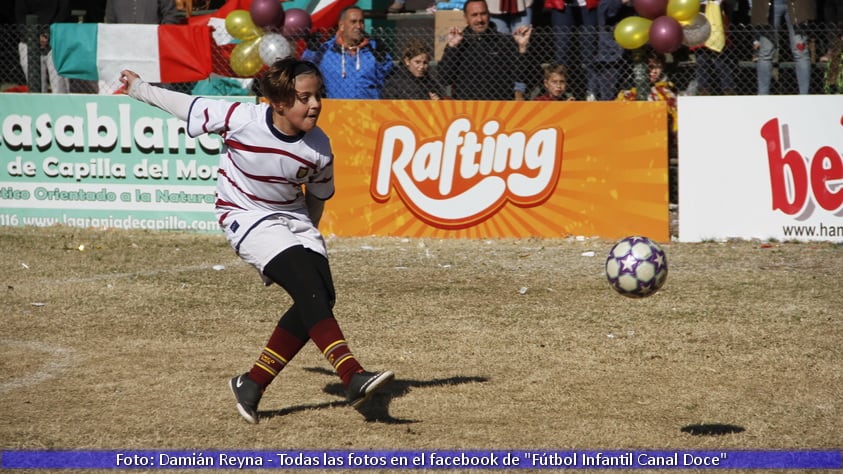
x: 126, y: 340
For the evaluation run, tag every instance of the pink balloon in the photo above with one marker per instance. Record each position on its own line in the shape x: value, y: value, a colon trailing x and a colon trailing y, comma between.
x: 297, y: 23
x: 266, y: 13
x: 666, y: 34
x: 650, y: 9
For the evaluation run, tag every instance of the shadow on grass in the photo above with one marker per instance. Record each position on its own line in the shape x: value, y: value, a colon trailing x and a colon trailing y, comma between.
x: 712, y: 429
x: 377, y: 408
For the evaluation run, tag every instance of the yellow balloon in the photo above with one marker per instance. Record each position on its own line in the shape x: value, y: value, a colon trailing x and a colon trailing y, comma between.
x: 246, y: 59
x: 239, y: 24
x: 633, y: 32
x: 683, y: 10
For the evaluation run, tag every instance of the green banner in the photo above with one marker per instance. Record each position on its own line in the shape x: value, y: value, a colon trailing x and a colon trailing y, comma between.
x: 103, y: 161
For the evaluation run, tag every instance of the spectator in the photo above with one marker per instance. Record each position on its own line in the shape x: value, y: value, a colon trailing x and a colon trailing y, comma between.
x: 482, y: 64
x: 832, y: 17
x: 412, y: 80
x: 47, y: 12
x: 714, y: 71
x: 150, y: 12
x: 661, y: 88
x: 770, y: 15
x: 12, y: 78
x: 507, y: 15
x: 833, y: 81
x: 609, y: 60
x: 555, y: 83
x: 574, y: 23
x: 354, y: 66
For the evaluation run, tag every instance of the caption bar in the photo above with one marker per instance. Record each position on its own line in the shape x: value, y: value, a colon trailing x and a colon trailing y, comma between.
x: 516, y: 459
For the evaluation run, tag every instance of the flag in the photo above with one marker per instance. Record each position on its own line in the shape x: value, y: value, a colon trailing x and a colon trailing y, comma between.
x: 158, y: 53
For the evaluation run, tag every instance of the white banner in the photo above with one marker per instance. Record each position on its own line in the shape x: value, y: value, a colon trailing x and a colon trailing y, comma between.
x: 761, y: 167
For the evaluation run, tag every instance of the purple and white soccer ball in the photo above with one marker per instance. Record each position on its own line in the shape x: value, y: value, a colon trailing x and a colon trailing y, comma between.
x: 636, y: 267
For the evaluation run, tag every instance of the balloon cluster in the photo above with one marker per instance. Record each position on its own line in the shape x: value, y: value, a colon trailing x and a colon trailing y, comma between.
x: 264, y: 32
x: 665, y: 24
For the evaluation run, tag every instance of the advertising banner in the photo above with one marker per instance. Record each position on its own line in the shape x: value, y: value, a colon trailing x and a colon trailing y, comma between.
x: 402, y: 168
x: 498, y: 169
x: 102, y: 161
x: 761, y: 167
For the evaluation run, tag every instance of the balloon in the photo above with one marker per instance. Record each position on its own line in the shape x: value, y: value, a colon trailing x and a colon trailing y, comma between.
x: 632, y: 32
x: 650, y: 9
x: 683, y: 10
x: 697, y: 31
x: 266, y: 13
x: 665, y: 34
x: 239, y: 24
x: 245, y: 58
x: 273, y: 47
x: 297, y: 23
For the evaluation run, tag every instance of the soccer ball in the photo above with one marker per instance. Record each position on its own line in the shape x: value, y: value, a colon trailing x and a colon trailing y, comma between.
x: 636, y: 267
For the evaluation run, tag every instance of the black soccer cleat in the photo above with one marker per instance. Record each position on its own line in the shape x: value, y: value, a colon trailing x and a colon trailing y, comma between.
x: 248, y: 394
x: 364, y: 384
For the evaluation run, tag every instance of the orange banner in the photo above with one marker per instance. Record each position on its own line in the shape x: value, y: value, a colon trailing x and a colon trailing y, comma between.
x: 466, y: 169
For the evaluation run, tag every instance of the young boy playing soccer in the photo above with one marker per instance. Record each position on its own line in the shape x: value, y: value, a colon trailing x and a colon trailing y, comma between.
x: 275, y: 174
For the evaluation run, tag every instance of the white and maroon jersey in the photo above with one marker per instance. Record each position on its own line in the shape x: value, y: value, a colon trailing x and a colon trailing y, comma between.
x: 261, y: 169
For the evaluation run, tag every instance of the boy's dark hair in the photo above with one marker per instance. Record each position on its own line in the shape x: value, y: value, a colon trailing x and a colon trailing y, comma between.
x: 278, y: 84
x: 415, y: 47
x: 554, y: 68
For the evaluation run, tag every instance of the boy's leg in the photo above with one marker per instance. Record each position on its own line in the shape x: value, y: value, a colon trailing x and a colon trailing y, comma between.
x: 311, y: 286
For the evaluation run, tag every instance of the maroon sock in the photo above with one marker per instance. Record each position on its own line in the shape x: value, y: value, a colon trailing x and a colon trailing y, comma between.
x: 328, y: 337
x: 279, y: 351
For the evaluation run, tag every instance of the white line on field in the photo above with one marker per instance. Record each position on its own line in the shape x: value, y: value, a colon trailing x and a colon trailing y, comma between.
x: 59, y: 361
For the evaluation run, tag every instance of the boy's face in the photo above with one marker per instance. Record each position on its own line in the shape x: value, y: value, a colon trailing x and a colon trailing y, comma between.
x: 555, y: 84
x: 418, y: 65
x: 303, y: 113
x: 656, y: 71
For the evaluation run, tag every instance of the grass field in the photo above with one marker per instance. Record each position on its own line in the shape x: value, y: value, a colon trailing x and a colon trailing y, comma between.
x: 126, y: 340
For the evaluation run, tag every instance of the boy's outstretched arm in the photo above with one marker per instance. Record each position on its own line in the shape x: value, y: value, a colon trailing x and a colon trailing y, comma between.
x: 175, y: 103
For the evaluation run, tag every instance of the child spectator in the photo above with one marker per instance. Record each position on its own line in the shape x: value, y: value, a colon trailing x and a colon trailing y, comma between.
x: 412, y: 79
x: 661, y: 88
x: 555, y: 83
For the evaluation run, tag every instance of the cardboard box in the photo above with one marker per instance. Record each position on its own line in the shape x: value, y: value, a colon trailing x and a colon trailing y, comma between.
x: 443, y: 21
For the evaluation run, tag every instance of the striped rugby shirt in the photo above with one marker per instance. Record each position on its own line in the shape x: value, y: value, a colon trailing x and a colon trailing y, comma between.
x: 260, y: 168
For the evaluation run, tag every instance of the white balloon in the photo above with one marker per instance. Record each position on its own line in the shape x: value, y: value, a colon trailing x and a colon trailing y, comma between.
x: 696, y: 32
x: 273, y: 47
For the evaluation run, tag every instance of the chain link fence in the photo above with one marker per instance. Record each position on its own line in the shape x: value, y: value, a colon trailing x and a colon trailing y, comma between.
x: 694, y: 71
x: 24, y: 49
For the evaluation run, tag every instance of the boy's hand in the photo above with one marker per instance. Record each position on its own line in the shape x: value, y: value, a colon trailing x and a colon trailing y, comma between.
x: 127, y: 78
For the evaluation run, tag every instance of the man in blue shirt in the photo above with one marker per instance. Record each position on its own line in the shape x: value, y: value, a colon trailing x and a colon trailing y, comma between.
x: 353, y: 65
